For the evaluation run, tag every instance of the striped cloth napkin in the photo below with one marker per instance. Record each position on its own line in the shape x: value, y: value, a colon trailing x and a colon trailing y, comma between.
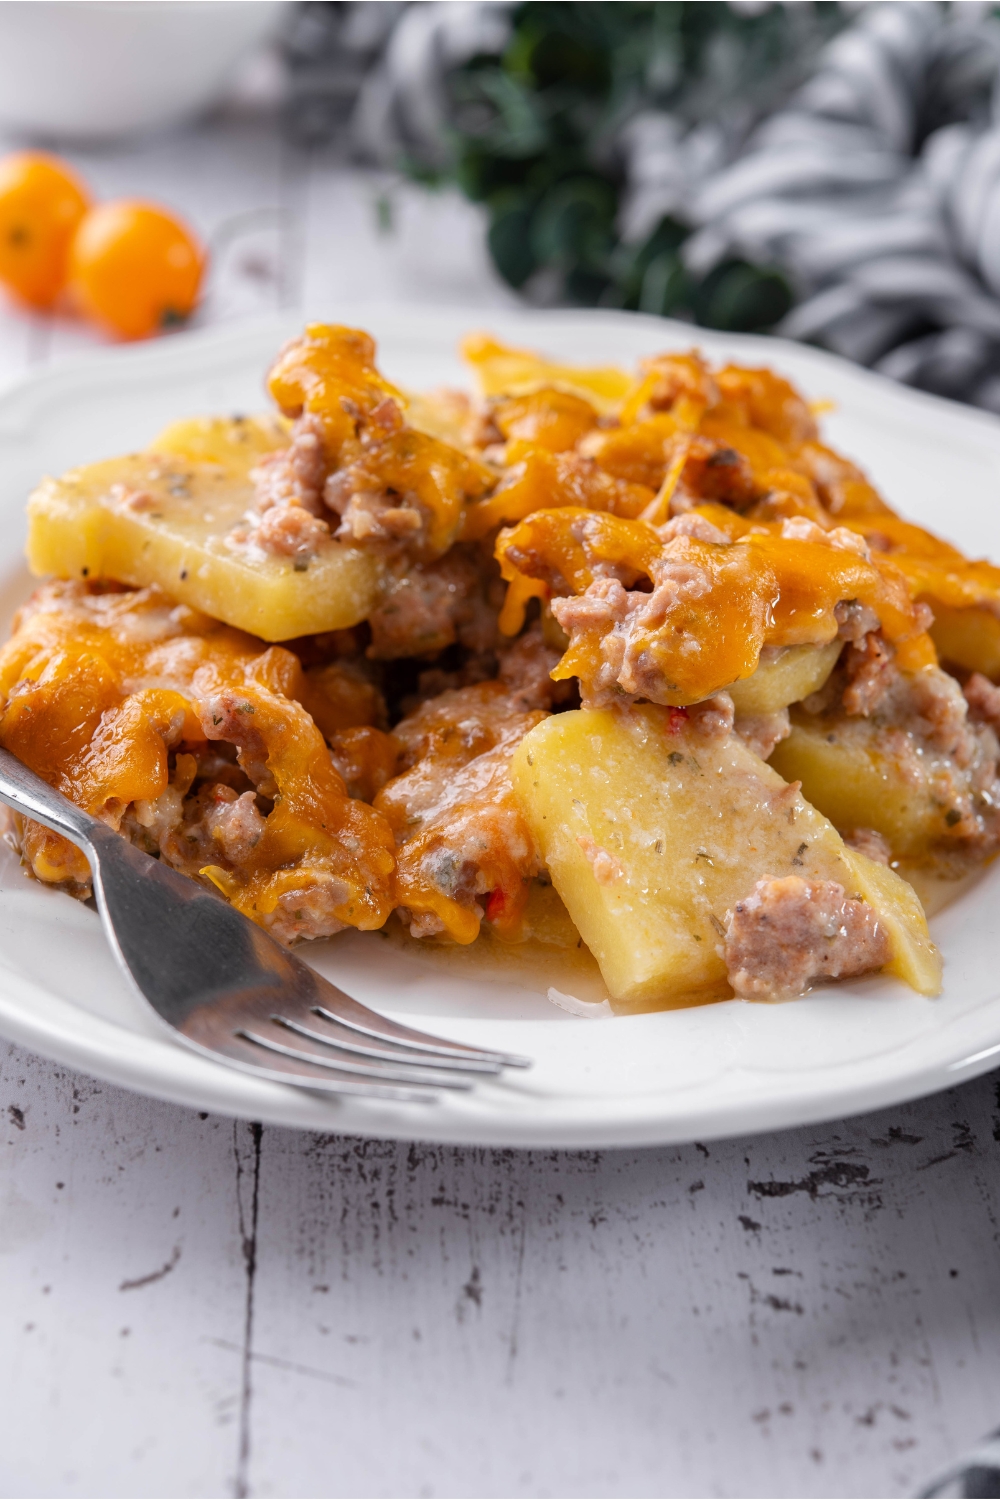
x: 976, y: 1475
x: 877, y: 190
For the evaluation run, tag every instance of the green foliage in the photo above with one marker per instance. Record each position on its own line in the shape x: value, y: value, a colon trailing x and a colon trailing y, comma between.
x: 535, y: 131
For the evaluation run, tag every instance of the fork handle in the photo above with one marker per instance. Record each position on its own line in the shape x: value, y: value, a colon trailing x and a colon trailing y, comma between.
x: 27, y: 793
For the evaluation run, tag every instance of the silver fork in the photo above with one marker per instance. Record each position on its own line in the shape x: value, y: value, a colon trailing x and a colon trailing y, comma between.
x: 227, y: 989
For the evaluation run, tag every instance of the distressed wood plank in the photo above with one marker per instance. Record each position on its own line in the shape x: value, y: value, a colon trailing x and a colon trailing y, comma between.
x: 123, y: 1289
x: 804, y: 1314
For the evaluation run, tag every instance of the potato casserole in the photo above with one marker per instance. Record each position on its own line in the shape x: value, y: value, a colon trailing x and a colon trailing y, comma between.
x: 624, y: 663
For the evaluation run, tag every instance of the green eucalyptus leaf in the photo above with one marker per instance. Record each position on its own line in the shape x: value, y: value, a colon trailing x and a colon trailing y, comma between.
x: 517, y: 126
x: 574, y: 222
x: 629, y: 263
x: 573, y: 61
x: 535, y: 134
x: 741, y: 298
x: 482, y: 176
x: 586, y: 287
x: 666, y: 285
x: 510, y: 240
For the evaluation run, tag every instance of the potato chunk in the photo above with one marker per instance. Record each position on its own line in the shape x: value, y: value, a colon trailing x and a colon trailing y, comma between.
x: 857, y: 776
x: 651, y: 836
x: 503, y: 371
x: 783, y: 676
x: 161, y: 517
x: 235, y: 441
x: 968, y: 637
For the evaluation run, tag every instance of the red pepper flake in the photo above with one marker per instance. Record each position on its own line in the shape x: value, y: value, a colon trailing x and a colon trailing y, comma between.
x: 678, y: 718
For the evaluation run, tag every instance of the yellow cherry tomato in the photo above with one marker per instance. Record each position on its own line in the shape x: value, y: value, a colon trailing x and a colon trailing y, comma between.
x: 135, y: 268
x: 41, y: 203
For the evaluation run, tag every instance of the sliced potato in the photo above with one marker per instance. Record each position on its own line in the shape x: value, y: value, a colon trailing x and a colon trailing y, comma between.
x: 969, y: 638
x: 237, y: 442
x: 914, y: 957
x: 161, y: 517
x: 788, y: 676
x: 651, y: 836
x: 503, y: 371
x: 846, y: 772
x: 441, y: 414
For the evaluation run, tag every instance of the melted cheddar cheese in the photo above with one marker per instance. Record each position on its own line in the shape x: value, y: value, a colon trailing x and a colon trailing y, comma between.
x: 761, y: 588
x: 330, y: 372
x: 118, y: 699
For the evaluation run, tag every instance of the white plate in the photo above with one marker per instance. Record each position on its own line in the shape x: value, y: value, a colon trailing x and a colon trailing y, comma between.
x: 723, y: 1069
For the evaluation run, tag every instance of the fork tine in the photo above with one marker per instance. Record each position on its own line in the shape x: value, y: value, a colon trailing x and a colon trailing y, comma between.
x: 392, y: 1053
x: 327, y: 1083
x: 421, y: 1078
x: 420, y: 1041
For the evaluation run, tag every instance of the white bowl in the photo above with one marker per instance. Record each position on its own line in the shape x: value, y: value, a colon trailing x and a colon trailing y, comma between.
x: 88, y: 71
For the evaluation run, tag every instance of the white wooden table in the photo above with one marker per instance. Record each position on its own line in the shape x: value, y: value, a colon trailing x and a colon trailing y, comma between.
x: 193, y: 1307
